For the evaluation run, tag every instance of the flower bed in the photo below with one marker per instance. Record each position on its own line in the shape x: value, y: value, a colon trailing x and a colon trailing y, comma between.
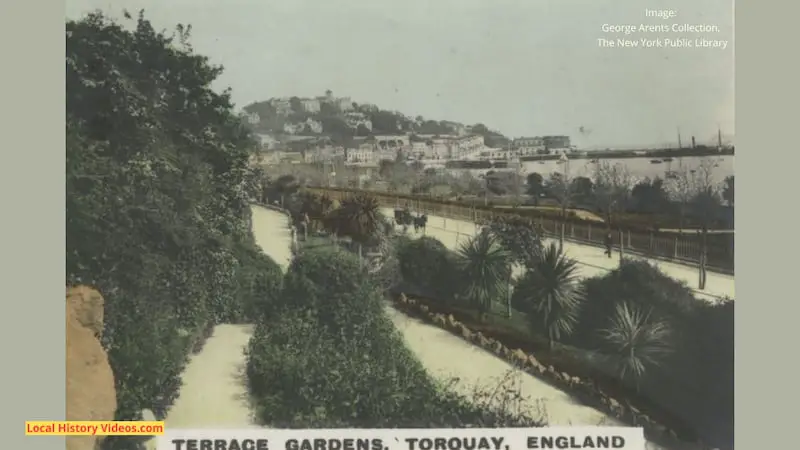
x: 585, y: 390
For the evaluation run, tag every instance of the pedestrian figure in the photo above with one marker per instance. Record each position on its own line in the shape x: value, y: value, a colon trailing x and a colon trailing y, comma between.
x: 293, y: 234
x: 609, y: 242
x: 703, y: 256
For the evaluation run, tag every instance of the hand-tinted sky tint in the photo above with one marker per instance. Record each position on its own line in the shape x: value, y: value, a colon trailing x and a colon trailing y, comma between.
x: 525, y: 67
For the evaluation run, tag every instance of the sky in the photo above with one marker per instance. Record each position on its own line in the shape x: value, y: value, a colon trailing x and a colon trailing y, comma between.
x: 524, y: 67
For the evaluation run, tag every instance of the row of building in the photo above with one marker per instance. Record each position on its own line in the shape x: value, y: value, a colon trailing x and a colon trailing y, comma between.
x: 283, y: 105
x: 370, y: 150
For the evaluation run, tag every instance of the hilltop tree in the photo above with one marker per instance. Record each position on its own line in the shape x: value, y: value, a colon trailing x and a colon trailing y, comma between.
x: 385, y: 122
x: 296, y: 105
x: 362, y: 130
x: 480, y: 128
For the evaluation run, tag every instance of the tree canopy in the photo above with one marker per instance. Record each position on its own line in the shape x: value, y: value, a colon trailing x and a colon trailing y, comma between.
x: 157, y: 201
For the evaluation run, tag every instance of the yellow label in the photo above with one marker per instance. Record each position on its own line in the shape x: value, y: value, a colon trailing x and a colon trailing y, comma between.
x: 98, y: 428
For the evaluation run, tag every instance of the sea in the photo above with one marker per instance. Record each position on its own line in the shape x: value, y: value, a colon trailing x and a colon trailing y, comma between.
x: 638, y: 167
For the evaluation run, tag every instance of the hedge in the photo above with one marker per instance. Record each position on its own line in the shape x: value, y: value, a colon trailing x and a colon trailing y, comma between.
x: 332, y: 358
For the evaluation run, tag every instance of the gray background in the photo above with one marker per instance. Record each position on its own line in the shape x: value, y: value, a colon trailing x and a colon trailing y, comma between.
x: 32, y: 234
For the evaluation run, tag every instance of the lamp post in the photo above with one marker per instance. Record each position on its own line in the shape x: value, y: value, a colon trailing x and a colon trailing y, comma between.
x: 486, y: 185
x: 564, y: 199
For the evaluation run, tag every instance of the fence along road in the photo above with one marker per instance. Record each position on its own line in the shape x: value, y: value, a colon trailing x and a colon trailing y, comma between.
x: 679, y: 248
x: 592, y: 260
x: 448, y: 224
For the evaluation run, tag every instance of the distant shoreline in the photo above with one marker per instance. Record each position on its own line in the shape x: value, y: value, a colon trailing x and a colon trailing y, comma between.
x: 502, y: 163
x: 643, y: 153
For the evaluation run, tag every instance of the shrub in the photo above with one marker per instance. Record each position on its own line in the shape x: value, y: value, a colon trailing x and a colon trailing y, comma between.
x: 639, y: 283
x: 322, y: 280
x: 258, y: 280
x: 155, y: 201
x: 519, y: 237
x: 429, y: 266
x: 334, y: 359
x: 695, y: 381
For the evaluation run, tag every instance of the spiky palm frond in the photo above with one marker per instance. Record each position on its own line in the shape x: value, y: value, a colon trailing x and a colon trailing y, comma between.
x: 554, y: 292
x: 359, y: 217
x: 486, y: 267
x: 635, y: 341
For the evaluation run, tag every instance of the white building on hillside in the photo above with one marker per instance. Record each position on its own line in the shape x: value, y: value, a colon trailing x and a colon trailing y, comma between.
x: 252, y: 118
x: 465, y: 146
x: 361, y: 152
x: 355, y: 119
x: 310, y: 125
x: 344, y: 104
x: 313, y: 125
x: 396, y: 141
x: 282, y: 105
x: 268, y: 142
x: 293, y: 128
x: 310, y: 105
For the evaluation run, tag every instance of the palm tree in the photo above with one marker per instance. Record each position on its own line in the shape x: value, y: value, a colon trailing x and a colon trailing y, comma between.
x: 486, y: 267
x: 358, y: 217
x: 635, y: 341
x: 553, y: 294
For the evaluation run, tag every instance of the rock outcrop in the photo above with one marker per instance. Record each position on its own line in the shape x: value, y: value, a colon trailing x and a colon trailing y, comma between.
x: 90, y: 382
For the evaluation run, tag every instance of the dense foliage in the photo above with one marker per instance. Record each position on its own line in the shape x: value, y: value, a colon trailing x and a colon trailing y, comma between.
x: 684, y: 346
x: 520, y: 237
x: 428, y: 266
x: 634, y: 324
x: 157, y: 203
x: 485, y: 270
x: 550, y: 292
x: 332, y: 358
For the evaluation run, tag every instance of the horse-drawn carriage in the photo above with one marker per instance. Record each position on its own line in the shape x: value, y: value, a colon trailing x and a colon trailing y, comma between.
x: 404, y: 217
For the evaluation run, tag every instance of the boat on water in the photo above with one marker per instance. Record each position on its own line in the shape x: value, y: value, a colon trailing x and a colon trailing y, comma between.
x: 668, y: 159
x: 655, y: 161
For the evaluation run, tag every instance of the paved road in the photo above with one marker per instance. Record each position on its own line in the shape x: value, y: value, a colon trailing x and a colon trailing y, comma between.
x: 592, y: 261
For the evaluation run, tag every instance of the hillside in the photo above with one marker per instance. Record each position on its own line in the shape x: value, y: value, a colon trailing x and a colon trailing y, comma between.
x: 342, y: 120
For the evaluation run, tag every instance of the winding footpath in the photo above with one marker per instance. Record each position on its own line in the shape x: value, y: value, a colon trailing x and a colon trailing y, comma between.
x: 214, y: 393
x: 592, y: 261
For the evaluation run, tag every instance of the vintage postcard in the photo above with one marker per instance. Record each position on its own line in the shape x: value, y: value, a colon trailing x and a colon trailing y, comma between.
x: 429, y: 225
